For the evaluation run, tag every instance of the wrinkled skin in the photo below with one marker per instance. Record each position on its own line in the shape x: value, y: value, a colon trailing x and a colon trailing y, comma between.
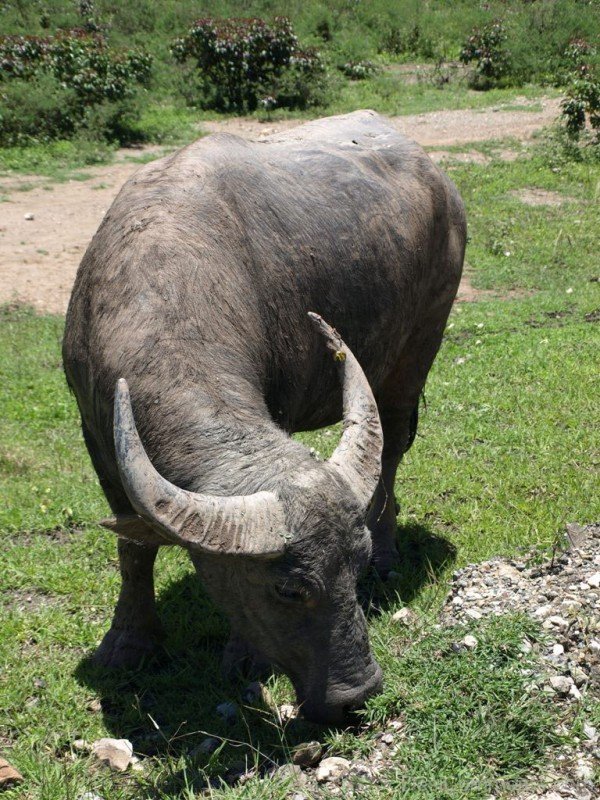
x: 196, y: 289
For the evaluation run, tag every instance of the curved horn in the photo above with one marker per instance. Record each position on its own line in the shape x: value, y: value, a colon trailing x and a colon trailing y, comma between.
x: 358, y: 455
x: 251, y: 525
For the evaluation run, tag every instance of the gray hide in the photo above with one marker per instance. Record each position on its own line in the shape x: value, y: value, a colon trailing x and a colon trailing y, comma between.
x: 196, y: 291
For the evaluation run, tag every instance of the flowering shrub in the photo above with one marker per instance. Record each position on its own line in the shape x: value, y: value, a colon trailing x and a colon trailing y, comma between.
x: 74, y: 64
x: 359, y: 70
x: 244, y: 61
x: 485, y: 47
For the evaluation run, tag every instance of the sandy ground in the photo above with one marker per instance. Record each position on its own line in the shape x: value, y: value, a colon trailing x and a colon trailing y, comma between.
x: 45, y: 230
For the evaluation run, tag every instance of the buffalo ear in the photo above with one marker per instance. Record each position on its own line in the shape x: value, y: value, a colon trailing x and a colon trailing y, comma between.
x: 133, y: 528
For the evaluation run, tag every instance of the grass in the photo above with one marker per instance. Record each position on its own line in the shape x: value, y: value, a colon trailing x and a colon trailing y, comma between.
x: 504, y: 458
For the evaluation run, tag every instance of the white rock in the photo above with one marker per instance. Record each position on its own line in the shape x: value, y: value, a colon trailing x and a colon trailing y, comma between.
x: 114, y: 753
x: 404, y: 616
x: 29, y: 216
x: 542, y: 612
x: 574, y: 693
x: 584, y: 770
x: 590, y: 732
x: 561, y: 684
x: 89, y: 796
x: 594, y: 580
x: 555, y: 621
x: 557, y: 650
x: 332, y: 769
x: 473, y: 613
x: 387, y: 738
x: 470, y: 642
x: 287, y: 712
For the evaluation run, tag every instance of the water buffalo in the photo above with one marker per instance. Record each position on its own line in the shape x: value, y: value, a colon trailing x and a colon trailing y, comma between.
x: 194, y: 295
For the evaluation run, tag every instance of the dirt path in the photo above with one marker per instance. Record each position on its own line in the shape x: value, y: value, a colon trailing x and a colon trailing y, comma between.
x: 45, y: 230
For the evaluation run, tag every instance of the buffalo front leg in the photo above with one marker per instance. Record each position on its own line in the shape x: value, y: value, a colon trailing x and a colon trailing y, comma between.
x: 136, y: 630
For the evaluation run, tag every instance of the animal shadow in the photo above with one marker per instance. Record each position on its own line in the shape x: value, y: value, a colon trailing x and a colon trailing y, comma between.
x: 423, y: 557
x: 175, y: 700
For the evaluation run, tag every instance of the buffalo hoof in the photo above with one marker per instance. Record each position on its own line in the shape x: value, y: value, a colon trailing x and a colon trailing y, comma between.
x: 125, y: 649
x: 242, y: 659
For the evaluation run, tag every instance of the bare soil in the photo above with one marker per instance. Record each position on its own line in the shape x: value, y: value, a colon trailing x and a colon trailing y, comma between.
x: 45, y: 228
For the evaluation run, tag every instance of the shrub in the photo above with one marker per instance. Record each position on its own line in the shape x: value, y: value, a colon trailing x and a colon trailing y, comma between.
x: 41, y: 109
x: 359, y: 70
x: 245, y: 61
x: 62, y: 78
x: 582, y: 102
x: 485, y: 47
x: 413, y: 43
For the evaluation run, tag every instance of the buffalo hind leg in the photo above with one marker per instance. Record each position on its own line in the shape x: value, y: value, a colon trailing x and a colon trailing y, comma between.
x: 398, y: 403
x: 399, y: 428
x: 136, y: 630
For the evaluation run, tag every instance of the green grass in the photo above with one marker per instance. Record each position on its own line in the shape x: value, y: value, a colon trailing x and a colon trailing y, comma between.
x: 504, y: 458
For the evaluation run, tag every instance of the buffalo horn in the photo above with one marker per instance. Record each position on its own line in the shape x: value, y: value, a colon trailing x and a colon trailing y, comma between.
x: 358, y: 454
x: 251, y: 525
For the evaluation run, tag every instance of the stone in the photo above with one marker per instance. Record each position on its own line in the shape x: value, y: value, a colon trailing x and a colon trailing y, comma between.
x: 584, y: 770
x: 404, y: 616
x: 473, y: 613
x: 307, y: 754
x: 557, y: 650
x: 387, y: 739
x: 206, y: 747
x: 561, y: 684
x: 554, y: 621
x: 470, y: 642
x: 89, y: 796
x: 29, y: 216
x: 81, y: 745
x: 9, y: 776
x: 227, y: 712
x: 593, y: 580
x: 332, y: 770
x: 291, y: 772
x: 579, y: 676
x: 113, y: 753
x: 286, y: 713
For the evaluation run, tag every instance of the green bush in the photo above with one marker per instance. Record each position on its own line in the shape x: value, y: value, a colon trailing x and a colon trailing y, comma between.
x: 68, y: 81
x: 485, y: 48
x: 246, y: 63
x: 40, y: 109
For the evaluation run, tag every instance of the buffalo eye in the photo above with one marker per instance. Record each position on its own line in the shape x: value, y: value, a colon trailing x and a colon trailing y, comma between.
x: 291, y: 593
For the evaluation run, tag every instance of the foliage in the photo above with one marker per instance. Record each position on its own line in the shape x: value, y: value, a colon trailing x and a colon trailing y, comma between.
x: 244, y: 61
x: 67, y: 78
x: 485, y: 47
x: 359, y: 70
x: 582, y: 100
x: 413, y: 43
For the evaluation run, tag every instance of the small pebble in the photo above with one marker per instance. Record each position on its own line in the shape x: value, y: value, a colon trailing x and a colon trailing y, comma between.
x: 470, y: 642
x: 561, y: 684
x: 331, y: 770
x: 113, y: 753
x: 29, y: 216
x: 404, y: 616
